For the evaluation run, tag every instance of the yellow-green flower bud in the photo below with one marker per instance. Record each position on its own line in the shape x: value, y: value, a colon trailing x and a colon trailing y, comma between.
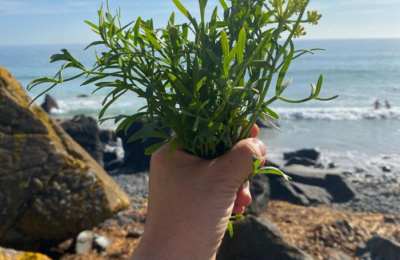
x: 313, y: 17
x: 299, y: 32
x: 277, y: 3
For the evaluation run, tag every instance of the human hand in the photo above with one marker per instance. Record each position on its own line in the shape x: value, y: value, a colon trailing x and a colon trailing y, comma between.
x: 191, y: 200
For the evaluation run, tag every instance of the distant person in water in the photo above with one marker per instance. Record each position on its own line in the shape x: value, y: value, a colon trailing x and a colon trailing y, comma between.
x: 387, y: 104
x: 377, y: 104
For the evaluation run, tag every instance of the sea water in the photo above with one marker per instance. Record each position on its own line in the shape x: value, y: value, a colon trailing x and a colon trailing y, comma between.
x: 347, y: 130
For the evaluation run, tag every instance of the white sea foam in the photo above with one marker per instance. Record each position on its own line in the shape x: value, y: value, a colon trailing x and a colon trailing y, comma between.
x: 338, y: 113
x: 92, y: 106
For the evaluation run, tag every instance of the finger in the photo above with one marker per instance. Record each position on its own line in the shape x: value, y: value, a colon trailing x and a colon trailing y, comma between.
x: 254, y: 131
x: 243, y: 196
x: 237, y: 209
x: 237, y: 163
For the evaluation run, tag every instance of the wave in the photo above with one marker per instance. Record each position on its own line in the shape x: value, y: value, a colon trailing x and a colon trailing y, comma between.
x: 92, y: 106
x: 338, y: 113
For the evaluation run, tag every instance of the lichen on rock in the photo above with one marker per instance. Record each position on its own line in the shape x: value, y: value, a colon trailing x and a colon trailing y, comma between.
x: 50, y: 187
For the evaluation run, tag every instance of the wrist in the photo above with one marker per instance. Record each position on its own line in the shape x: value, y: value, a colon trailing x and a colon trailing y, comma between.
x: 167, y: 243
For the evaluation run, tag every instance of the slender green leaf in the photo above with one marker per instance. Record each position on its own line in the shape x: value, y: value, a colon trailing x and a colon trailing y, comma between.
x: 178, y: 85
x: 230, y: 229
x: 284, y: 69
x: 143, y: 133
x: 202, y: 4
x: 151, y: 36
x: 154, y: 148
x: 241, y: 43
x: 223, y: 4
x: 181, y: 8
x: 273, y: 170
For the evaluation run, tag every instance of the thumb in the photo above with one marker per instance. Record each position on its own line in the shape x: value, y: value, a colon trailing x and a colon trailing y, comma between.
x: 237, y: 163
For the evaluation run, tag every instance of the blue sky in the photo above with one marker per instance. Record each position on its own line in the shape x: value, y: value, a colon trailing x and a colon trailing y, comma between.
x: 26, y: 22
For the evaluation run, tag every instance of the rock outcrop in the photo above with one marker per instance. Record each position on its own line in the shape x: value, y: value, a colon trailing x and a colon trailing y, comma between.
x: 50, y: 187
x: 134, y: 159
x: 311, y: 186
x: 258, y: 238
x: 10, y: 254
x: 379, y: 248
x: 49, y: 103
x: 85, y: 131
x: 260, y: 192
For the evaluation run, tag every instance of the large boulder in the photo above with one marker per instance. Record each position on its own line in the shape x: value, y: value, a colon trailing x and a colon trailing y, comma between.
x: 260, y: 192
x: 134, y: 159
x: 50, y: 187
x: 379, y: 248
x: 258, y: 238
x: 107, y: 136
x: 312, y: 186
x: 304, y: 161
x: 10, y: 254
x: 49, y: 103
x: 85, y: 131
x: 281, y: 190
x: 312, y: 154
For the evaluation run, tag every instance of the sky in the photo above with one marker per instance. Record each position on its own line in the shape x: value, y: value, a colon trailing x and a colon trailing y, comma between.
x: 28, y: 22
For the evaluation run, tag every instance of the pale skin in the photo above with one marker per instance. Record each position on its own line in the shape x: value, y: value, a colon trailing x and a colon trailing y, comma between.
x: 192, y: 199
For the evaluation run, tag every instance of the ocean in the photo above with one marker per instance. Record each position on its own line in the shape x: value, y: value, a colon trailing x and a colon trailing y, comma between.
x: 347, y: 130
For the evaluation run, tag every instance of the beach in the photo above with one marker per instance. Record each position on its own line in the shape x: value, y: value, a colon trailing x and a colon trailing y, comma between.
x: 357, y: 147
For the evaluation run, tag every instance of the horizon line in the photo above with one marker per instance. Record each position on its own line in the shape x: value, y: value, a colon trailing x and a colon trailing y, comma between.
x: 309, y: 39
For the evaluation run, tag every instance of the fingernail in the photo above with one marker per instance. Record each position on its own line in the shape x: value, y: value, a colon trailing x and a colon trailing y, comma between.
x: 262, y: 147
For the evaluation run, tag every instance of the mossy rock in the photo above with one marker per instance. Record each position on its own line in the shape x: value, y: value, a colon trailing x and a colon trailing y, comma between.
x: 50, y: 187
x: 10, y: 254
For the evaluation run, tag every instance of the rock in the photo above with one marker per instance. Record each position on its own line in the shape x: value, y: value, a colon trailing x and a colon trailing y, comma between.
x: 107, y: 136
x: 84, y: 242
x: 260, y: 192
x: 315, y: 195
x: 380, y: 248
x: 101, y: 243
x: 134, y: 234
x: 311, y: 186
x: 301, y: 161
x: 49, y: 103
x: 361, y: 249
x: 331, y: 180
x: 312, y: 154
x: 85, y: 131
x: 109, y: 156
x: 334, y: 254
x: 340, y: 189
x: 300, y: 194
x: 307, y: 175
x: 264, y: 124
x: 10, y: 254
x: 271, y: 163
x: 114, y: 164
x: 134, y: 159
x: 124, y: 220
x: 50, y: 188
x: 389, y: 219
x: 281, y: 190
x: 359, y: 170
x: 386, y: 168
x: 332, y: 165
x: 258, y: 238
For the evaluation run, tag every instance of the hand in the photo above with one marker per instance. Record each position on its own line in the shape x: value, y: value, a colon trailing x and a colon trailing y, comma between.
x: 191, y: 200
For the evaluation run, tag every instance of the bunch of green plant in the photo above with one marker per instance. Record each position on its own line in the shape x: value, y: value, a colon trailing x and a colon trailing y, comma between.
x: 206, y: 80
